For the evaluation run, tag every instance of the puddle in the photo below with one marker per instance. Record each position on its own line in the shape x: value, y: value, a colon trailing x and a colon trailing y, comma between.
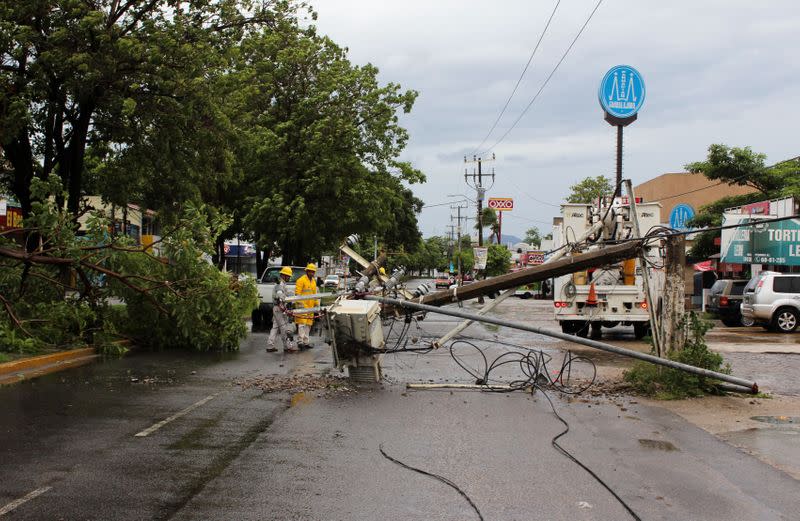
x: 777, y: 420
x: 658, y: 445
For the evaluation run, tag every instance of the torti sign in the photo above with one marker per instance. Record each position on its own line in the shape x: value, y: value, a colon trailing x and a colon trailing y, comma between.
x: 501, y: 204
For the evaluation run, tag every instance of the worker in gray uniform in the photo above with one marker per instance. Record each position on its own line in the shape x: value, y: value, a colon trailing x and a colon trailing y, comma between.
x: 280, y: 321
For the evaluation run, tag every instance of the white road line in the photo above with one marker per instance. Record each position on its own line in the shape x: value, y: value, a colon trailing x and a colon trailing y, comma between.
x: 14, y: 504
x: 175, y: 416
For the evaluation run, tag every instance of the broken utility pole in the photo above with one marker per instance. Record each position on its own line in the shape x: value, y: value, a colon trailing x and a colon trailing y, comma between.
x: 673, y: 328
x: 557, y: 268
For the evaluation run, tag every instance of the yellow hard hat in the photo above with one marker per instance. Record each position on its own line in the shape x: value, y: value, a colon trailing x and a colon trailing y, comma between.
x: 286, y: 270
x: 382, y: 271
x: 311, y: 267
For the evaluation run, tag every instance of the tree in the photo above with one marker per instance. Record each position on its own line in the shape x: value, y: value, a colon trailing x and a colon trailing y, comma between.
x: 489, y: 220
x: 737, y: 166
x: 498, y: 260
x: 743, y: 167
x: 533, y: 237
x: 130, y: 84
x: 56, y: 292
x: 590, y: 189
x: 321, y: 141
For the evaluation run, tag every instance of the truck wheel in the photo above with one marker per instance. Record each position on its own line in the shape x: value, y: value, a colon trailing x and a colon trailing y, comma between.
x: 730, y: 322
x: 747, y: 321
x: 597, y: 330
x: 785, y: 320
x: 640, y: 330
x: 256, y: 318
x: 567, y: 327
x: 582, y: 329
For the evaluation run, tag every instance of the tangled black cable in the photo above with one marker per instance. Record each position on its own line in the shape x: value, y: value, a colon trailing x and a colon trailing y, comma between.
x: 532, y: 364
x: 435, y: 476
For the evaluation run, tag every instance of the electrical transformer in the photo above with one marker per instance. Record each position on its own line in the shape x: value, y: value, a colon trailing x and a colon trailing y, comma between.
x: 356, y: 336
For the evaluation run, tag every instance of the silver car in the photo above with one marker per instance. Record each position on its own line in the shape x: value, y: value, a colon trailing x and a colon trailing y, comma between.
x: 772, y: 299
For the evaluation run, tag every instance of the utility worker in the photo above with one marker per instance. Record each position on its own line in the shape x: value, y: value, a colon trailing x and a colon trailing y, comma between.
x: 280, y: 322
x: 306, y: 285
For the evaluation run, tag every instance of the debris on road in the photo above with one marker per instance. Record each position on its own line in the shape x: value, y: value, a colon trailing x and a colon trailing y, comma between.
x: 297, y: 383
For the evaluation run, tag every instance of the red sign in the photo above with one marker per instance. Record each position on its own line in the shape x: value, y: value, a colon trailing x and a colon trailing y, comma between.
x: 534, y: 257
x: 501, y: 204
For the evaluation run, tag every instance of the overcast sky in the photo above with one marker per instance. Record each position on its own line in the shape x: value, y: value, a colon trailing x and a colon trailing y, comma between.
x: 715, y: 71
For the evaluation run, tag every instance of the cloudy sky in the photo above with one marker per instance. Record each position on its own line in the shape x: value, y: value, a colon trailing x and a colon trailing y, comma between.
x: 720, y: 71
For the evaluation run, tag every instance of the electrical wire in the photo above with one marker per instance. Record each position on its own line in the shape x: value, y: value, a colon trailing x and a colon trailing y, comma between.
x: 546, y: 81
x: 519, y: 80
x: 437, y: 477
x: 571, y: 457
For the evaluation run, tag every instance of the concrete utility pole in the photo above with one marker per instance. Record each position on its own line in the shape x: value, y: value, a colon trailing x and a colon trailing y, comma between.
x: 458, y: 236
x: 674, y: 331
x: 477, y: 184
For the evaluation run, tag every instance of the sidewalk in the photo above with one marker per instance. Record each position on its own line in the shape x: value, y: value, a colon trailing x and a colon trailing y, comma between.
x: 27, y: 368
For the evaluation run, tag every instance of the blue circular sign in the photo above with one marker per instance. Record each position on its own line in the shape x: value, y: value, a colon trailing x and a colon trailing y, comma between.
x: 622, y: 91
x: 680, y: 215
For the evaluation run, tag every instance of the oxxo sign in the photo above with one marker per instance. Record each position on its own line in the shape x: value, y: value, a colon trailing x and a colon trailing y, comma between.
x: 501, y: 204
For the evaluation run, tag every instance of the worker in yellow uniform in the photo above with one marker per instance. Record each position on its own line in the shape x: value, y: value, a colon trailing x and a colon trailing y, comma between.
x: 306, y: 285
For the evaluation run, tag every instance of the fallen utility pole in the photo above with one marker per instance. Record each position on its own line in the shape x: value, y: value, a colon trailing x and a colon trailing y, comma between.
x: 491, y: 305
x: 557, y: 268
x: 751, y: 387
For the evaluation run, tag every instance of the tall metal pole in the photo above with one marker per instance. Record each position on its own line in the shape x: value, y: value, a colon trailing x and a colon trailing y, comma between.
x: 618, y: 190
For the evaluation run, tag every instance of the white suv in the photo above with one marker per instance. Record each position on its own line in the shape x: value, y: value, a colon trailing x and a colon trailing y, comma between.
x: 773, y: 300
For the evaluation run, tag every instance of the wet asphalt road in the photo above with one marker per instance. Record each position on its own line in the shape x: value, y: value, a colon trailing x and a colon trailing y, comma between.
x: 231, y: 453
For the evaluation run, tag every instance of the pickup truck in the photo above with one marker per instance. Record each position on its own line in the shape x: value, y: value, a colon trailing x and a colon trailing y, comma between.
x: 262, y: 315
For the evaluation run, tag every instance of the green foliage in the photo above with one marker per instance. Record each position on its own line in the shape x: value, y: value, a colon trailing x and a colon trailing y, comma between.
x: 669, y: 384
x: 739, y: 166
x: 320, y: 138
x: 743, y: 167
x: 498, y: 260
x: 533, y: 237
x: 61, y: 296
x: 589, y: 189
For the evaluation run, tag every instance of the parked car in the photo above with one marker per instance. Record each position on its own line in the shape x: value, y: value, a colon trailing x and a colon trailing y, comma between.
x: 726, y: 301
x: 527, y: 291
x: 444, y: 281
x: 772, y: 300
x: 332, y: 281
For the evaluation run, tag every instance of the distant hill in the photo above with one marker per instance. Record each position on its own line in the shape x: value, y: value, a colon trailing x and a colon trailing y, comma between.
x: 513, y: 239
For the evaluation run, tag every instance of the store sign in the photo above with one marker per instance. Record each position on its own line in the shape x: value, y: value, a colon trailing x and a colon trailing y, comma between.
x: 501, y: 204
x: 481, y: 255
x: 534, y: 257
x: 680, y: 215
x: 765, y: 243
x: 622, y: 91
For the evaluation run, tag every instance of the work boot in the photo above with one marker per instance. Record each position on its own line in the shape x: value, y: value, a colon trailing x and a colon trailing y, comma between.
x: 271, y: 349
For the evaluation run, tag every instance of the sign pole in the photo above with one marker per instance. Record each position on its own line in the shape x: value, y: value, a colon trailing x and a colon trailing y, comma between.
x: 500, y: 228
x: 618, y: 190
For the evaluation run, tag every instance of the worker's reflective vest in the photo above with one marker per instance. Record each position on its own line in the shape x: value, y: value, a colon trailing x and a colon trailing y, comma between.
x: 306, y: 286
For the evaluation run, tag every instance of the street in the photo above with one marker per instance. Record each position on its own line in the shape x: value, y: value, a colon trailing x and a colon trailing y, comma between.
x: 186, y: 436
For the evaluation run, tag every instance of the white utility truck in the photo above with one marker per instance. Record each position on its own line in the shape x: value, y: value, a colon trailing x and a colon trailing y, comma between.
x: 614, y: 294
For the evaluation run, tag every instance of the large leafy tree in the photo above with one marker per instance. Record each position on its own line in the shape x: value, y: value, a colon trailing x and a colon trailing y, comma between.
x: 589, y: 189
x: 323, y: 139
x: 129, y: 83
x: 743, y: 167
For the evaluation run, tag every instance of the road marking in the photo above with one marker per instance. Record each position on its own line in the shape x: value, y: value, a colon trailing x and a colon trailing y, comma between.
x: 175, y: 416
x: 14, y: 504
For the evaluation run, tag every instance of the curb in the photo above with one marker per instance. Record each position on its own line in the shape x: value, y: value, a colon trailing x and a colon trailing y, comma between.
x: 28, y: 368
